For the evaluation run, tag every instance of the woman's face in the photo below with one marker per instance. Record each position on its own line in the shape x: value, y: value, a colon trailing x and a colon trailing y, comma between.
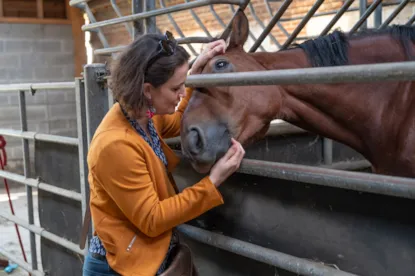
x: 166, y: 97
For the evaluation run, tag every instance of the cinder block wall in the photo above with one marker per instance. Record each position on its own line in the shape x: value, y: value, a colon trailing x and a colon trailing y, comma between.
x: 32, y: 53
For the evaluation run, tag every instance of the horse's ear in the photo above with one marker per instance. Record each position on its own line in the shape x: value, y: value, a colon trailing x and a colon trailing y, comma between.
x: 240, y: 30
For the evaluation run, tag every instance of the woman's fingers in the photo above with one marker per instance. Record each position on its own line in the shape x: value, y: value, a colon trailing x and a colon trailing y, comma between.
x: 239, y: 154
x: 213, y: 44
x: 212, y: 49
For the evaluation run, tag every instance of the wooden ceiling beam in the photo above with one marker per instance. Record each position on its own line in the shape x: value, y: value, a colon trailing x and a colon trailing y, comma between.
x: 39, y: 4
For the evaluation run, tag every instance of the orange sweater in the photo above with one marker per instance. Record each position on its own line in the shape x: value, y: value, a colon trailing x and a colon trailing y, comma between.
x: 133, y: 203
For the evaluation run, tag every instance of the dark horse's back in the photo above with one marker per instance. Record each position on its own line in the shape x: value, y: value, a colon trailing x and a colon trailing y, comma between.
x: 380, y: 113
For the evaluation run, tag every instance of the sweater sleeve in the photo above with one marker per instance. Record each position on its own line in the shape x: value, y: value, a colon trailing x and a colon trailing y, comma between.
x: 170, y: 124
x: 128, y: 183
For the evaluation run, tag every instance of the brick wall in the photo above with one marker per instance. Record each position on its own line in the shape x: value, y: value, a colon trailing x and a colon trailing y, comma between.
x: 36, y: 53
x: 118, y: 35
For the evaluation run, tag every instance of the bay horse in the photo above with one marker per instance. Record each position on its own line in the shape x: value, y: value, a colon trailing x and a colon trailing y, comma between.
x: 377, y: 119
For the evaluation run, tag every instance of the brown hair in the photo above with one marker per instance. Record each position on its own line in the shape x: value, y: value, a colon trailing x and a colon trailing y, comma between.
x: 129, y: 72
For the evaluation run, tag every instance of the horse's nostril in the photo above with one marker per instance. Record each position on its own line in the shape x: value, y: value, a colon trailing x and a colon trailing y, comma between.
x: 196, y: 140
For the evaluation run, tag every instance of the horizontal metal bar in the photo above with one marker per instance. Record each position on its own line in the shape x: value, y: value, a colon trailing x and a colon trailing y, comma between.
x: 37, y: 86
x: 275, y: 129
x: 41, y: 185
x: 185, y: 40
x: 110, y: 50
x: 334, y: 175
x: 76, y: 2
x: 348, y: 165
x: 358, y: 181
x: 21, y: 263
x: 168, y: 10
x: 30, y: 135
x: 119, y: 14
x: 394, y: 71
x: 262, y: 254
x: 44, y: 233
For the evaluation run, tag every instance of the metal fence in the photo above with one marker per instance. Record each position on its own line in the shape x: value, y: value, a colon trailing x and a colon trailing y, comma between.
x: 145, y: 11
x: 30, y: 183
x: 92, y: 106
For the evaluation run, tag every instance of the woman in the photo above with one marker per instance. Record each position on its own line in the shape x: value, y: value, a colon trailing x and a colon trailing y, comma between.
x: 135, y: 205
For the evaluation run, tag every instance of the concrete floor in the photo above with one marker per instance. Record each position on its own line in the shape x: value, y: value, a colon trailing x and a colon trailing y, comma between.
x: 8, y: 236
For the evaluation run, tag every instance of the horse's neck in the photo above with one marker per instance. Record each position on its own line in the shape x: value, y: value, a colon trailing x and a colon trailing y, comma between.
x: 344, y: 112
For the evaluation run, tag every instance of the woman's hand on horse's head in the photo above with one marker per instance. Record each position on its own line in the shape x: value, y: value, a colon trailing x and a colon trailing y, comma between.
x: 212, y: 49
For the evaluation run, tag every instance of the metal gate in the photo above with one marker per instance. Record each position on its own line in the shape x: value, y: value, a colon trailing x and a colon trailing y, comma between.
x: 253, y: 233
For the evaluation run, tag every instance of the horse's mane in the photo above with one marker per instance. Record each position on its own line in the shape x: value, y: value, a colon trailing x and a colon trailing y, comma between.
x: 331, y: 49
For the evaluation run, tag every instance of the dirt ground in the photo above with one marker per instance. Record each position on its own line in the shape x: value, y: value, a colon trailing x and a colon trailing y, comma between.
x: 8, y: 236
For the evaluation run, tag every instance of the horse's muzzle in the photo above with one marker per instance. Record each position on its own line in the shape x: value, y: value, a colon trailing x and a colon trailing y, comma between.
x: 205, y: 144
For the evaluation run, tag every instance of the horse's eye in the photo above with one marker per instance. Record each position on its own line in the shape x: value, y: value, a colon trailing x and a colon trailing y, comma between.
x: 221, y: 64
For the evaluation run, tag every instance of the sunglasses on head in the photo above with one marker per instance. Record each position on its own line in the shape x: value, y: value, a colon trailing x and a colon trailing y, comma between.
x: 167, y: 47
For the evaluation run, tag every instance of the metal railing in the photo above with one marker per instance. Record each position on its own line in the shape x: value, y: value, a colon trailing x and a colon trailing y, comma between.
x: 272, y: 257
x: 30, y: 183
x: 365, y: 12
x: 333, y: 74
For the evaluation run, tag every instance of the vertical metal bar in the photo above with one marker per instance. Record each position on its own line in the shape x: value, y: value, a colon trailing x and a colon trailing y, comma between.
x: 150, y: 21
x: 394, y: 14
x: 27, y: 174
x: 362, y: 9
x: 300, y: 26
x: 378, y: 16
x: 271, y: 24
x: 96, y: 106
x: 198, y: 21
x: 137, y: 7
x: 82, y: 148
x: 176, y: 27
x: 96, y: 97
x: 336, y: 18
x: 110, y: 98
x: 367, y: 13
x: 328, y: 151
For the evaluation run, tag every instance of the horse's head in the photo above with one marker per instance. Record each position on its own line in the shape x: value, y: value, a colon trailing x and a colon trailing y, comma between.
x: 215, y: 114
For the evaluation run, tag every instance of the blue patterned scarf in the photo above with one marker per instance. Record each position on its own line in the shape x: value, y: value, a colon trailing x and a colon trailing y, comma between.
x: 156, y: 145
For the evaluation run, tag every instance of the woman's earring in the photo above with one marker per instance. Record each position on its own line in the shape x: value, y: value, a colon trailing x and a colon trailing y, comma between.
x: 151, y: 110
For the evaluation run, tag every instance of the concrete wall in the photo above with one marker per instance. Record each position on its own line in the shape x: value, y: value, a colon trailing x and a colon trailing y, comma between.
x: 32, y: 53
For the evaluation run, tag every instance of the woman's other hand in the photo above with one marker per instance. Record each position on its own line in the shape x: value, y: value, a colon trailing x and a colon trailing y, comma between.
x: 228, y: 164
x: 212, y: 49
